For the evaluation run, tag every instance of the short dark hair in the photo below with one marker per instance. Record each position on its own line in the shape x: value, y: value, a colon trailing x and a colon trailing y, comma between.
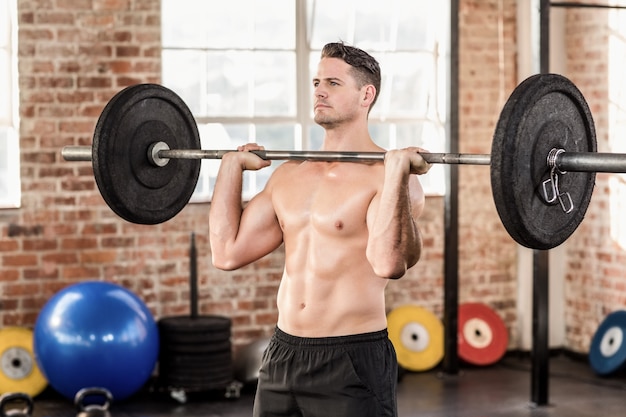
x: 365, y: 68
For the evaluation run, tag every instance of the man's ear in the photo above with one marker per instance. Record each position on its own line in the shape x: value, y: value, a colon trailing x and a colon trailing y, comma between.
x: 369, y: 95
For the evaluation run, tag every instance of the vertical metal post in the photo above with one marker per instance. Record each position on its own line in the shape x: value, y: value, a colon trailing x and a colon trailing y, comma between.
x: 540, y: 354
x: 193, y: 277
x: 451, y: 216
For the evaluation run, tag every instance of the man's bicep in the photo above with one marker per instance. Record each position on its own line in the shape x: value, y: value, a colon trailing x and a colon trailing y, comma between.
x: 259, y: 232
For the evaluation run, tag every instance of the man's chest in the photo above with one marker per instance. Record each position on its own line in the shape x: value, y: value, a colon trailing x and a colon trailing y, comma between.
x: 327, y: 200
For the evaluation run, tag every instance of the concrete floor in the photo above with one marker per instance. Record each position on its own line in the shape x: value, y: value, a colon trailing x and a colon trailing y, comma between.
x: 496, y: 391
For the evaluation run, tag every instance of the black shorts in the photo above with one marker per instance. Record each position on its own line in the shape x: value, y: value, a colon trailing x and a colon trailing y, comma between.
x: 346, y: 376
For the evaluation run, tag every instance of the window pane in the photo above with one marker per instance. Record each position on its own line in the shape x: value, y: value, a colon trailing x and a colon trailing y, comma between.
x: 237, y: 24
x: 407, y: 85
x: 330, y: 21
x: 183, y: 72
x: 417, y: 29
x: 231, y: 84
x: 374, y: 26
x: 251, y: 84
x: 9, y: 168
x: 252, y: 24
x: 4, y: 27
x: 5, y: 88
x: 184, y: 23
x: 4, y: 161
x: 397, y: 25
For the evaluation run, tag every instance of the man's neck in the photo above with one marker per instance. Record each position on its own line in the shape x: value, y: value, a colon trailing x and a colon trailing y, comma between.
x: 347, y: 138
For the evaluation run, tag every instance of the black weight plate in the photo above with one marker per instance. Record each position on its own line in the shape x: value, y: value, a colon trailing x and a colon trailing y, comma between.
x: 200, y: 380
x: 188, y: 324
x: 196, y: 374
x: 212, y: 360
x: 130, y: 184
x: 197, y: 384
x: 194, y: 348
x: 545, y: 111
x: 197, y: 339
x: 183, y: 367
x: 173, y: 372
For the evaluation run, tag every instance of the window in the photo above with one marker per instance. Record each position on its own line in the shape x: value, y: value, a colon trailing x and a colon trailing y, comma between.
x: 9, y: 146
x: 245, y: 67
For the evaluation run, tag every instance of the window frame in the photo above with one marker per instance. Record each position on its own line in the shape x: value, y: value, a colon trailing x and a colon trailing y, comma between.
x: 303, y: 119
x: 10, y: 122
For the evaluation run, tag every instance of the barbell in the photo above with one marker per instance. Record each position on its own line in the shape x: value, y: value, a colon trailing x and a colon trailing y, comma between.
x: 146, y: 158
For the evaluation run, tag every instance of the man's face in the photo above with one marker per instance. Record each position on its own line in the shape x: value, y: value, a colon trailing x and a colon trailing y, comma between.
x: 336, y: 96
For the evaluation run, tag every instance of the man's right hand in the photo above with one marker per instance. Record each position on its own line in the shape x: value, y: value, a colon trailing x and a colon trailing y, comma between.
x: 248, y: 160
x: 411, y: 156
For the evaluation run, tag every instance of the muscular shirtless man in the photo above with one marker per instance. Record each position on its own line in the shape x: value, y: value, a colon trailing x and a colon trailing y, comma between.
x: 346, y: 228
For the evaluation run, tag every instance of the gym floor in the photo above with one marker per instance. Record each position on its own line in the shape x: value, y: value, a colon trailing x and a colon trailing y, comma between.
x: 499, y: 390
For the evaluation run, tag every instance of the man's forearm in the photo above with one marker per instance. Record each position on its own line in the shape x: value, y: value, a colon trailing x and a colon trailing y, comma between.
x: 395, y: 242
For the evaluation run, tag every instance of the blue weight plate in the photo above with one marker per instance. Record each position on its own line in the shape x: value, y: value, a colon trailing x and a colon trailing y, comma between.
x: 607, y: 353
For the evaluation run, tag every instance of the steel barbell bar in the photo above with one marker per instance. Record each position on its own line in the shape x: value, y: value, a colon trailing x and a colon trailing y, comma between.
x: 159, y: 153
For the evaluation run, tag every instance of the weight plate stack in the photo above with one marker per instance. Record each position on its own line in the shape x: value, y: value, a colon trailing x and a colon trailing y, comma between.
x: 195, y: 353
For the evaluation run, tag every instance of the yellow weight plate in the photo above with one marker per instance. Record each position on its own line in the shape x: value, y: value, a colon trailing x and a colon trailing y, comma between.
x: 18, y: 369
x: 417, y: 336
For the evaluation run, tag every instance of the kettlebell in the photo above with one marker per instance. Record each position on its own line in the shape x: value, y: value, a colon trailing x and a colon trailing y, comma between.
x: 16, y: 404
x: 93, y: 402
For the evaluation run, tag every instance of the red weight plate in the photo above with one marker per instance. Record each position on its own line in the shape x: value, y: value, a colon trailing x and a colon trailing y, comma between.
x: 482, y: 335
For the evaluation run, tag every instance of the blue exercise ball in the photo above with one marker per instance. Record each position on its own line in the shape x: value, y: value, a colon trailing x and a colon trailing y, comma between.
x: 96, y: 334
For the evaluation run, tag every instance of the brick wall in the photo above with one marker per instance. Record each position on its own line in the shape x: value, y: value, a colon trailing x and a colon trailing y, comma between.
x: 74, y: 55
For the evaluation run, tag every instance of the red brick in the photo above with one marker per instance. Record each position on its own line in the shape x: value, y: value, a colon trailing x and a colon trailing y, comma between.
x: 81, y: 273
x: 36, y: 34
x: 9, y: 245
x: 10, y: 274
x: 19, y: 289
x: 61, y: 258
x: 98, y: 257
x: 41, y: 274
x: 77, y: 243
x: 74, y: 4
x: 96, y: 50
x: 55, y: 18
x: 118, y: 242
x: 127, y: 51
x: 19, y: 260
x: 94, y: 82
x: 111, y: 4
x: 31, y: 245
